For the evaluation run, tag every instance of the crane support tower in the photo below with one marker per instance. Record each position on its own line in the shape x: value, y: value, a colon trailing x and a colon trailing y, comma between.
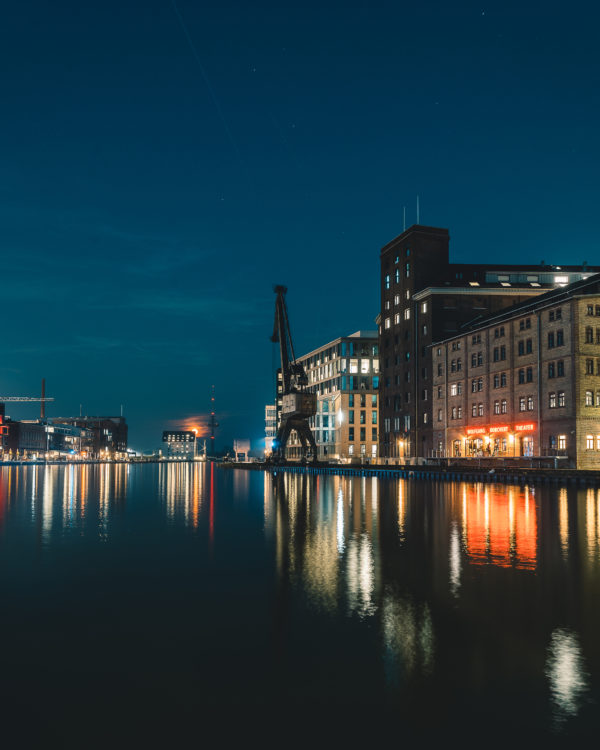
x: 297, y: 405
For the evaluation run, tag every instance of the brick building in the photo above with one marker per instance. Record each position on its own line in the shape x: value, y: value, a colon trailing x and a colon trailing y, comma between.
x: 425, y: 298
x: 524, y: 382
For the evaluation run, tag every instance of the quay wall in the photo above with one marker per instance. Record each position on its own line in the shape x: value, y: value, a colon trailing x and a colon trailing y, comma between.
x: 508, y: 476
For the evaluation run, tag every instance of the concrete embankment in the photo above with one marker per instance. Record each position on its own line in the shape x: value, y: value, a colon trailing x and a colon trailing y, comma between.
x: 451, y: 474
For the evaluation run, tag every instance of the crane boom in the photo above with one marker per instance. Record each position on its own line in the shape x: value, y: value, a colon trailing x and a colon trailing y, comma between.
x: 25, y: 398
x: 297, y: 404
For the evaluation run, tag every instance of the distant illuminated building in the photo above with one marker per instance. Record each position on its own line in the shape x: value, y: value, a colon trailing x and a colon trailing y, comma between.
x: 180, y: 443
x: 270, y: 427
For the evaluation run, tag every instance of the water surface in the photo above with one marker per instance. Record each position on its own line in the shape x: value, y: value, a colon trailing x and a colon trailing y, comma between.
x: 179, y: 601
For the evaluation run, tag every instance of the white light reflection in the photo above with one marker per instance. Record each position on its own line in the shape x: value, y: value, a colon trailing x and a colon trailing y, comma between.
x: 454, y: 559
x: 340, y: 522
x: 565, y: 673
x: 360, y: 575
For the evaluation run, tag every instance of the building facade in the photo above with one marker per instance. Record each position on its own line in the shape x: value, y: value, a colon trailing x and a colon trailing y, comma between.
x: 345, y: 376
x: 270, y: 427
x: 179, y: 443
x: 425, y: 298
x: 524, y: 382
x: 109, y: 434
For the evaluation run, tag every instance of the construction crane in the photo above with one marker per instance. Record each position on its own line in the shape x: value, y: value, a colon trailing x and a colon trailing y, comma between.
x: 297, y: 404
x: 31, y: 399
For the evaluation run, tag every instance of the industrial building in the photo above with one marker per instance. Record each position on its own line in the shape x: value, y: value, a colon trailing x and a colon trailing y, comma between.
x: 524, y: 381
x: 425, y: 298
x: 179, y: 443
x: 344, y: 375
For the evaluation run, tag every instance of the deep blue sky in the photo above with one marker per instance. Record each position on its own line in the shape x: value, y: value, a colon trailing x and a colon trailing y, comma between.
x: 152, y: 190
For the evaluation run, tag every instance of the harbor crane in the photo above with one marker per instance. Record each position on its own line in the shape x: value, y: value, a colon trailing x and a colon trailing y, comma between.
x: 31, y: 399
x: 297, y: 403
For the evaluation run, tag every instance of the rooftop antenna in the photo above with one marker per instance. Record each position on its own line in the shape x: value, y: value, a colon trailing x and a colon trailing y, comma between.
x: 121, y: 409
x: 80, y: 410
x: 404, y: 218
x: 418, y: 212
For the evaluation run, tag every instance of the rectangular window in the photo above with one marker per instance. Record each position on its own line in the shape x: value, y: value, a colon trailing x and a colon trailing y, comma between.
x: 424, y: 307
x: 522, y: 404
x: 351, y: 416
x: 552, y: 400
x: 474, y: 410
x: 373, y: 434
x: 529, y: 375
x: 439, y: 415
x: 560, y: 338
x: 562, y: 442
x: 496, y: 381
x: 589, y: 366
x: 528, y: 346
x: 363, y: 433
x: 351, y: 432
x: 496, y: 407
x: 561, y: 398
x: 480, y: 410
x: 589, y: 442
x: 407, y: 313
x: 503, y: 406
x: 503, y: 380
x: 529, y: 403
x: 551, y: 369
x: 551, y: 341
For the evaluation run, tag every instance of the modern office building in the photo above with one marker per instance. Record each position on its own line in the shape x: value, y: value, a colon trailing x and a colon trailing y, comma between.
x: 524, y: 381
x: 425, y: 298
x: 109, y: 433
x: 345, y: 376
x: 270, y: 427
x: 179, y: 443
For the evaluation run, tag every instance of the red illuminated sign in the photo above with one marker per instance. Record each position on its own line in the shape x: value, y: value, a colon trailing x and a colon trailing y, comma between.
x: 528, y: 427
x: 499, y: 428
x: 476, y: 430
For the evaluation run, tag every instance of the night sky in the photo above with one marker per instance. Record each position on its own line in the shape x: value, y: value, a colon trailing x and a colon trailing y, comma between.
x: 163, y: 165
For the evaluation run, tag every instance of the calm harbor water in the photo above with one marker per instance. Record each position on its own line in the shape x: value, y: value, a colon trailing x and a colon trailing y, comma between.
x: 175, y: 600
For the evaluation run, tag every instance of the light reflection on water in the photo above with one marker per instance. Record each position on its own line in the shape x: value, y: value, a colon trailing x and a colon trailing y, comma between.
x: 482, y: 594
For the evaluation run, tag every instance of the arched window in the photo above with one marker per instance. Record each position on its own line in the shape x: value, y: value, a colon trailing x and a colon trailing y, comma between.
x: 589, y: 398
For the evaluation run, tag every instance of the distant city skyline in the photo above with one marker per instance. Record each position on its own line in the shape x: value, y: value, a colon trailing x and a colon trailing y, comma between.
x: 164, y: 166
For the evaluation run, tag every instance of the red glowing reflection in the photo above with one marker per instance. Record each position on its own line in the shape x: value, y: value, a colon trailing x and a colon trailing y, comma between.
x: 500, y: 527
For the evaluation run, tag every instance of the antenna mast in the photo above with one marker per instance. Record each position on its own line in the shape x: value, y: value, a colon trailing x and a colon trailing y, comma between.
x: 213, y: 424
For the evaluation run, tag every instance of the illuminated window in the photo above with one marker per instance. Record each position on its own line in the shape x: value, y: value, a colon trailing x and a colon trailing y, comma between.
x: 561, y: 398
x: 503, y: 406
x: 424, y: 307
x: 387, y: 323
x: 589, y: 442
x: 480, y: 410
x: 522, y: 404
x: 396, y: 318
x: 598, y: 442
x: 589, y: 398
x: 407, y: 313
x: 529, y: 403
x: 387, y: 281
x: 562, y: 442
x: 496, y: 407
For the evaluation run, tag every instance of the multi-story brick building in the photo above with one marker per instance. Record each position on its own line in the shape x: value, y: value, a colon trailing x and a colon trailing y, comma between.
x: 425, y: 298
x: 345, y: 376
x: 524, y: 382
